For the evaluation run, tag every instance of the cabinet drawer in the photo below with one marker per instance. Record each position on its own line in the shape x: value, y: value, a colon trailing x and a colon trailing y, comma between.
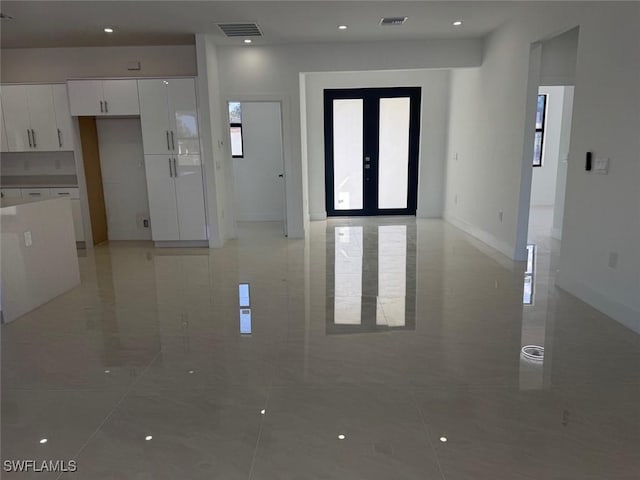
x: 35, y: 193
x: 65, y: 192
x: 11, y: 193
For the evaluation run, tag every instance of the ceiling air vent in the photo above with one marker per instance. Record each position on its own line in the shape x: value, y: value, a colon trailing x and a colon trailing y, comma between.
x: 393, y: 20
x: 240, y: 29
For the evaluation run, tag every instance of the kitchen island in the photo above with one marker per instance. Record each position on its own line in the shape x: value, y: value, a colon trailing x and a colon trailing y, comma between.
x: 39, y: 259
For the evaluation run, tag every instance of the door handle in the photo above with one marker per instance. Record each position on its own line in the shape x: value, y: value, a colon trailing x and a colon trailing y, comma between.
x: 101, y: 109
x: 29, y: 136
x: 168, y: 144
x: 106, y: 107
x: 173, y: 145
x: 170, y: 171
x: 33, y: 136
x: 175, y: 169
x: 59, y: 138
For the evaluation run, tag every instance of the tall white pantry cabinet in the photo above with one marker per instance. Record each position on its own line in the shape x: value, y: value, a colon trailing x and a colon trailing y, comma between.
x: 171, y: 143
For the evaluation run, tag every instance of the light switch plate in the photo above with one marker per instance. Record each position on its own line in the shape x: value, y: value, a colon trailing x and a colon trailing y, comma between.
x: 27, y: 238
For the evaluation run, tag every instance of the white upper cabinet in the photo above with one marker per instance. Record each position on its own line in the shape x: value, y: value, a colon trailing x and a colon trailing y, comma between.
x: 103, y: 97
x: 16, y: 118
x: 42, y: 116
x: 169, y: 116
x: 63, y: 117
x: 30, y: 118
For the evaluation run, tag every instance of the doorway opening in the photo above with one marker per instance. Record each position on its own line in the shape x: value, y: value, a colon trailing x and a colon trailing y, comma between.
x: 372, y: 138
x: 255, y: 129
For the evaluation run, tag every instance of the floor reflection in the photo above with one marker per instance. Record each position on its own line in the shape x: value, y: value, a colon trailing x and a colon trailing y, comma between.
x: 371, y: 278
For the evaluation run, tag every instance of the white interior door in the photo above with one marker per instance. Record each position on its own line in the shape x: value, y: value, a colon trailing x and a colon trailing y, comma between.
x: 63, y: 117
x: 258, y: 174
x: 121, y: 97
x: 183, y: 116
x: 161, y: 189
x: 42, y: 117
x: 154, y: 115
x: 16, y: 118
x: 190, y: 197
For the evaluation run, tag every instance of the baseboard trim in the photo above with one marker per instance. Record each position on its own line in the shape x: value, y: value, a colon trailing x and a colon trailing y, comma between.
x: 316, y: 216
x: 182, y: 244
x: 484, y: 237
x: 621, y: 313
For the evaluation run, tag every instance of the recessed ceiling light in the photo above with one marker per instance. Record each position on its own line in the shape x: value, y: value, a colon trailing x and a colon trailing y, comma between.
x: 108, y: 30
x: 148, y: 437
x: 457, y: 23
x: 263, y: 411
x: 342, y: 27
x: 43, y: 440
x: 192, y: 371
x: 107, y: 371
x: 443, y: 439
x: 247, y: 40
x: 341, y: 437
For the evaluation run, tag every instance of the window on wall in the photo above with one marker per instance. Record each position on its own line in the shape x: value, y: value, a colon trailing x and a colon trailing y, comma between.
x: 235, y: 127
x: 541, y: 113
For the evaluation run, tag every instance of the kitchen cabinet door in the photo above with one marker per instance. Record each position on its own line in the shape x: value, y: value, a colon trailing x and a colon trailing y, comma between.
x: 64, y: 125
x: 190, y: 197
x: 42, y: 118
x: 162, y: 197
x: 121, y: 97
x: 16, y: 118
x: 85, y: 97
x: 154, y: 116
x: 184, y: 116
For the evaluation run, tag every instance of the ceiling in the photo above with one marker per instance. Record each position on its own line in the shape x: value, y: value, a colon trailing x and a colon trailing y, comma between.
x: 81, y: 23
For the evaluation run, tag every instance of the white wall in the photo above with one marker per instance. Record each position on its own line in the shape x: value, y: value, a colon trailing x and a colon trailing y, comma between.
x: 543, y: 183
x: 488, y: 126
x: 50, y: 65
x: 259, y: 192
x: 274, y: 71
x: 561, y: 178
x: 433, y: 130
x: 558, y: 66
x: 123, y: 178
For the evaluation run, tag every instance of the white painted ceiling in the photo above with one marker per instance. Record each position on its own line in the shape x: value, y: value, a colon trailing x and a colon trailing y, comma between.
x: 136, y: 22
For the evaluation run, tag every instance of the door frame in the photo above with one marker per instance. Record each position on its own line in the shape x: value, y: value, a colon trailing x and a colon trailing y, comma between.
x: 371, y: 126
x: 284, y: 102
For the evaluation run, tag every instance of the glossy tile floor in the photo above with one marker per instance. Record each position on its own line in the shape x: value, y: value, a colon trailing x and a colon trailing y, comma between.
x: 384, y: 348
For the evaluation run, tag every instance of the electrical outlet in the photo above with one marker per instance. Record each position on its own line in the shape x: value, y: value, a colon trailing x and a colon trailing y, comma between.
x: 27, y: 238
x: 613, y: 260
x: 145, y: 223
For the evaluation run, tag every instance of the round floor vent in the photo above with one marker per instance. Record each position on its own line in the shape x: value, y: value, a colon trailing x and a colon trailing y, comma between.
x: 534, y: 353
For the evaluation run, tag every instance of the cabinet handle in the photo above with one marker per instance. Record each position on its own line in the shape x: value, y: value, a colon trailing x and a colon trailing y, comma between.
x: 29, y: 136
x: 60, y: 138
x: 168, y: 145
x: 33, y: 136
x: 173, y: 145
x: 34, y: 194
x: 63, y: 193
x: 175, y: 170
x: 106, y: 107
x: 170, y: 171
x: 101, y: 110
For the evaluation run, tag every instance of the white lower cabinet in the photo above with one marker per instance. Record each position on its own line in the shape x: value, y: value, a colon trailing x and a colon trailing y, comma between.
x: 176, y: 197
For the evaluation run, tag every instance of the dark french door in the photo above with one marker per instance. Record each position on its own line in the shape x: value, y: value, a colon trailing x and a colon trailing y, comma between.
x: 372, y: 138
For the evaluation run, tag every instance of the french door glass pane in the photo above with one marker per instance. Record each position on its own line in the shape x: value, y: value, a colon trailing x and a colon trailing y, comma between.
x: 347, y: 154
x: 393, y: 154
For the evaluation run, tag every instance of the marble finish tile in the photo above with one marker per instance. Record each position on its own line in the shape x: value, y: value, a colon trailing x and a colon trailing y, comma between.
x: 391, y: 331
